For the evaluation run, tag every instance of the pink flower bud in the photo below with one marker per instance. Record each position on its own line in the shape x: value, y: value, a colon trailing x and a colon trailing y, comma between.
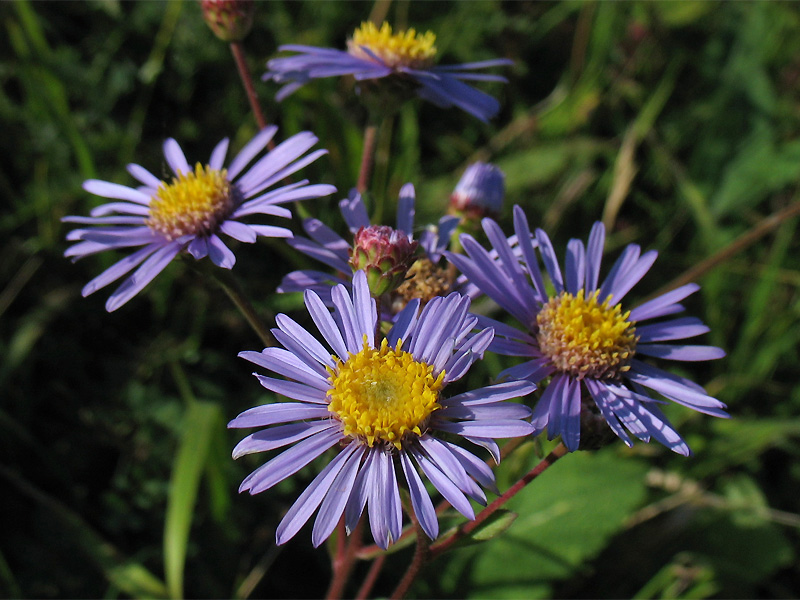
x: 385, y: 254
x: 230, y: 20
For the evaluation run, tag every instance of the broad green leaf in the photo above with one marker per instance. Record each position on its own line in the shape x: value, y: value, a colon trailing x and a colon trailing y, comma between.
x: 565, y: 517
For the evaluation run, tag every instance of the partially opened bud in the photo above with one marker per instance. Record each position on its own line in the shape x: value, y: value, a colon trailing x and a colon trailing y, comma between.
x: 385, y: 254
x: 480, y: 192
x: 230, y: 20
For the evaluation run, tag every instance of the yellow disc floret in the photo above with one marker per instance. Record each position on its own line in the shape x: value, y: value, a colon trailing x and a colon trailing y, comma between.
x: 401, y: 49
x: 192, y: 203
x: 584, y: 338
x: 383, y: 395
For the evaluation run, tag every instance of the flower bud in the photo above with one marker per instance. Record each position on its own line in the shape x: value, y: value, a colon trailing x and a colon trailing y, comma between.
x: 479, y: 193
x: 385, y: 254
x: 230, y: 20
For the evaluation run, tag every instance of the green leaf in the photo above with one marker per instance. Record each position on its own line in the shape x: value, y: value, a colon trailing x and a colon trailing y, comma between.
x: 202, y: 419
x: 565, y: 518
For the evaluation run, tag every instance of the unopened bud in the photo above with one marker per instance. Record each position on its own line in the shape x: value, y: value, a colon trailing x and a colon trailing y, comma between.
x: 480, y: 192
x: 385, y: 254
x: 230, y: 20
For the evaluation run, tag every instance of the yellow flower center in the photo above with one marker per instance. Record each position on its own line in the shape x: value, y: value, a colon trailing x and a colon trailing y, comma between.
x: 585, y: 339
x: 401, y: 49
x: 192, y: 203
x: 383, y: 395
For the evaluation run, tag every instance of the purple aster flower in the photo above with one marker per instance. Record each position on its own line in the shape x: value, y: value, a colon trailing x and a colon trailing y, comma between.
x: 406, y: 57
x: 189, y: 212
x: 480, y: 191
x: 427, y: 279
x: 582, y: 338
x: 380, y: 405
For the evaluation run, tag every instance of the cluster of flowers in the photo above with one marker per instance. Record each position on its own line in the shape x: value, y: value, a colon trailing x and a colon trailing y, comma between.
x: 393, y: 314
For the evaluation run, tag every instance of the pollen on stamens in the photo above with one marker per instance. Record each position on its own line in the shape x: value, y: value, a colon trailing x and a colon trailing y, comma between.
x: 402, y: 49
x: 584, y: 338
x: 382, y: 395
x: 192, y: 203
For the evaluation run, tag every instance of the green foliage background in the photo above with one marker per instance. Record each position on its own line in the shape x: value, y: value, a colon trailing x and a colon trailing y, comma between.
x: 676, y: 122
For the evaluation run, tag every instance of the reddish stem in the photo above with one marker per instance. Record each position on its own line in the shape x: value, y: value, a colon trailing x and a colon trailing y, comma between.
x: 421, y: 555
x: 247, y: 80
x: 467, y: 528
x: 371, y: 578
x: 367, y: 156
x: 344, y: 560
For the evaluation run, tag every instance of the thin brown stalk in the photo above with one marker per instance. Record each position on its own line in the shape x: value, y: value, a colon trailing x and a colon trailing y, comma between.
x: 745, y: 240
x: 468, y: 528
x: 247, y: 80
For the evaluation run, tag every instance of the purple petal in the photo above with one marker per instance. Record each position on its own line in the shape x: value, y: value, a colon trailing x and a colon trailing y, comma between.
x: 575, y: 266
x: 670, y: 386
x: 495, y: 428
x: 657, y: 307
x: 175, y: 157
x: 282, y: 412
x: 287, y: 364
x: 198, y: 248
x: 446, y: 487
x: 405, y: 209
x: 475, y: 467
x: 676, y: 329
x: 117, y: 270
x: 144, y: 176
x: 107, y: 189
x: 219, y: 253
x: 404, y: 324
x: 358, y: 497
x: 238, y: 231
x: 625, y: 282
x: 571, y: 415
x: 295, y: 391
x: 251, y: 149
x: 550, y: 260
x: 143, y: 275
x: 420, y: 501
x: 526, y: 245
x: 217, y: 159
x: 688, y: 352
x: 310, y: 499
x: 277, y: 437
x: 491, y: 394
x: 325, y: 323
x: 594, y: 255
x: 119, y: 207
x: 336, y: 499
x: 354, y: 212
x: 308, y: 341
x: 290, y: 461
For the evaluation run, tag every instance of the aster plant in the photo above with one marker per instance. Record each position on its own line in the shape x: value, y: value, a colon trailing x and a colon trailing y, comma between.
x: 405, y: 59
x: 381, y: 404
x: 376, y: 394
x: 581, y: 338
x: 188, y: 213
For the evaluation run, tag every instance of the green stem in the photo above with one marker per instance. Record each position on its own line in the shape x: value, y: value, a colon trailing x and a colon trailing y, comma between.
x: 228, y: 283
